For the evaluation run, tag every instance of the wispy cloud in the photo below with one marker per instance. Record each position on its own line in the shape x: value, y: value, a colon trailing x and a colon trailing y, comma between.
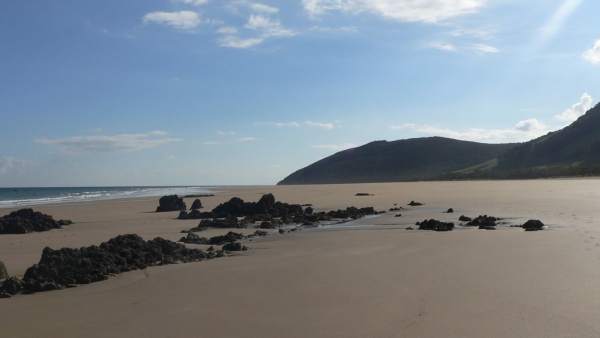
x: 109, y: 143
x: 558, y: 19
x: 183, y: 20
x: 295, y: 124
x: 521, y: 131
x: 334, y: 147
x: 578, y: 109
x: 443, y: 46
x: 429, y: 11
x: 235, y: 140
x: 592, y: 55
x: 484, y: 48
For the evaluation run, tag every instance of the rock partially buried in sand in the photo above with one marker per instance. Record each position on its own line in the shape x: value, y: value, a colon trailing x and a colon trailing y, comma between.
x: 171, y: 203
x: 26, y: 220
x: 450, y: 211
x: 197, y: 204
x: 230, y: 237
x: 533, y: 225
x: 415, y: 204
x: 235, y: 246
x: 192, y: 238
x: 435, y: 225
x: 464, y: 218
x: 484, y: 222
x: 3, y: 271
x: 362, y: 194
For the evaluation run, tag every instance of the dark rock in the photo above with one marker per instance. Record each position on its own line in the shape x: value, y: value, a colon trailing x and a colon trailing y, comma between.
x: 26, y: 220
x: 192, y: 238
x: 228, y: 222
x: 3, y: 271
x: 281, y: 231
x: 171, y: 203
x: 410, y: 228
x: 197, y: 204
x: 398, y: 215
x: 395, y: 209
x: 533, y: 225
x: 64, y: 222
x: 260, y: 233
x: 11, y: 286
x: 58, y: 269
x: 415, y: 204
x: 483, y: 222
x: 309, y: 211
x: 435, y: 225
x: 450, y: 211
x: 267, y: 225
x: 230, y: 237
x: 235, y: 246
x: 362, y: 194
x: 195, y: 214
x: 464, y: 218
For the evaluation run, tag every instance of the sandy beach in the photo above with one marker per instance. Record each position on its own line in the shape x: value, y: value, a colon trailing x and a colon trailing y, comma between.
x: 371, y: 278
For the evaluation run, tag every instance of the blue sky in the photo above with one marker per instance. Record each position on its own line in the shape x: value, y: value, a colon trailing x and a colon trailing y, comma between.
x: 161, y: 92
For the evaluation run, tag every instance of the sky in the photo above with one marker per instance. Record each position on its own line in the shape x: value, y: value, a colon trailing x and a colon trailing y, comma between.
x: 227, y: 92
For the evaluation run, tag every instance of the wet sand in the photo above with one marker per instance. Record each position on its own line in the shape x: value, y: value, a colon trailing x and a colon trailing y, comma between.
x: 372, y: 279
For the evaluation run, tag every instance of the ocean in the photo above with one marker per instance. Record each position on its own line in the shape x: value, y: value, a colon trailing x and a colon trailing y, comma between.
x: 16, y: 197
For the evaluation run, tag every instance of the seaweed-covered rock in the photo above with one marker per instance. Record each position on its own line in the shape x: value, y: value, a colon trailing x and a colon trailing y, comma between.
x: 197, y: 204
x: 435, y: 225
x: 533, y: 225
x: 415, y: 204
x: 484, y: 222
x: 58, y: 269
x: 230, y: 237
x: 26, y: 220
x: 464, y: 218
x: 171, y: 203
x: 192, y: 238
x: 234, y: 246
x: 3, y: 271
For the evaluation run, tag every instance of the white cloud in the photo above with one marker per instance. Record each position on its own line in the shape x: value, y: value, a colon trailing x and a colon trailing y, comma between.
x: 267, y: 27
x: 192, y: 2
x: 294, y: 124
x: 578, y: 109
x: 227, y: 30
x: 234, y: 41
x: 429, y: 11
x: 8, y: 163
x: 262, y: 8
x: 484, y: 49
x: 522, y: 131
x: 108, y: 143
x: 335, y: 147
x: 592, y: 55
x: 558, y: 19
x: 443, y: 46
x: 184, y: 20
x: 341, y: 29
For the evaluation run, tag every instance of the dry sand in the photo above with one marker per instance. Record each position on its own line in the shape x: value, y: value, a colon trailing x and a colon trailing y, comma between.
x: 373, y: 279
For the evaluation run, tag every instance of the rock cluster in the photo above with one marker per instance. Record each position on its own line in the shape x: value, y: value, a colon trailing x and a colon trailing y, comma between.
x: 26, y: 220
x: 58, y: 269
x: 533, y: 225
x: 435, y: 225
x: 268, y: 214
x: 192, y: 238
x: 234, y: 246
x: 171, y: 203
